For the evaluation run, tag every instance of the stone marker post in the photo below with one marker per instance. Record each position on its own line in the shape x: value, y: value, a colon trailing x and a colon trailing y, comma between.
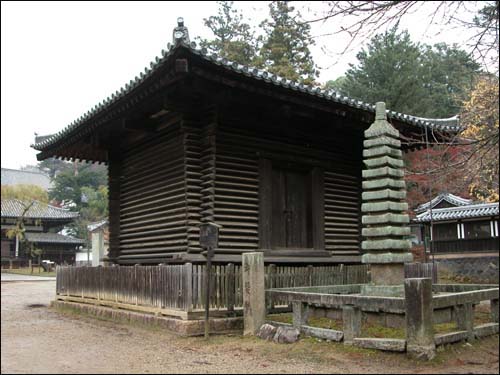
x: 385, y: 222
x: 419, y: 323
x: 254, y: 301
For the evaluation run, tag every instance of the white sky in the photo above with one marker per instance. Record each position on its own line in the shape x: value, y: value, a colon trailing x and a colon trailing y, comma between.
x: 60, y: 59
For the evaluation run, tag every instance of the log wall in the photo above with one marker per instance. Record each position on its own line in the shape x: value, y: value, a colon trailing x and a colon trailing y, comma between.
x: 153, y: 200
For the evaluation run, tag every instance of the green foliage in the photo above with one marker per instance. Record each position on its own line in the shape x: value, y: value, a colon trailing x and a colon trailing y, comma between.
x: 234, y: 38
x: 420, y: 80
x: 54, y: 166
x: 337, y: 84
x: 24, y: 193
x: 285, y: 50
x: 282, y: 50
x: 68, y: 184
x: 448, y: 76
x: 84, y: 191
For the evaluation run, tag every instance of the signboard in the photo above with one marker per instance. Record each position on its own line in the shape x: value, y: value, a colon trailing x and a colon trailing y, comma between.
x: 209, y: 235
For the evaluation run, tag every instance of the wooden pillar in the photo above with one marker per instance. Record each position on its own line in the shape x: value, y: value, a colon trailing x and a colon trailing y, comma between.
x: 114, y: 182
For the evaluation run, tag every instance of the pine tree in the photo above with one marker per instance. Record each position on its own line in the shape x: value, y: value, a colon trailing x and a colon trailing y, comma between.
x: 285, y: 50
x: 234, y: 38
x: 389, y: 70
x: 418, y: 80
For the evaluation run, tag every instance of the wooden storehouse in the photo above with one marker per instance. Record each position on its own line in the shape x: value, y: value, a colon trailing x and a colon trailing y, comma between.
x: 196, y: 138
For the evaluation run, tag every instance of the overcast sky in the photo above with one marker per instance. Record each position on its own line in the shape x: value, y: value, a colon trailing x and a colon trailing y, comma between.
x: 60, y: 59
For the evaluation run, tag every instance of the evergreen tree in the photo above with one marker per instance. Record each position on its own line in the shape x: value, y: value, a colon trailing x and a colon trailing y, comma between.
x: 234, y: 38
x: 419, y: 80
x: 389, y: 70
x: 285, y: 50
x: 448, y: 77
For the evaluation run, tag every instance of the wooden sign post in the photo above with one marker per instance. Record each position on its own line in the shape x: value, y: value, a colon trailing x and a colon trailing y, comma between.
x: 209, y: 239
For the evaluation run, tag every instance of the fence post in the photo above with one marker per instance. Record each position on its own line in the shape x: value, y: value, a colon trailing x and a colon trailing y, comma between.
x: 310, y: 270
x: 351, y: 322
x: 231, y: 290
x: 254, y: 302
x: 272, y: 283
x: 464, y: 316
x: 494, y: 310
x: 419, y: 318
x: 188, y: 287
x: 136, y: 267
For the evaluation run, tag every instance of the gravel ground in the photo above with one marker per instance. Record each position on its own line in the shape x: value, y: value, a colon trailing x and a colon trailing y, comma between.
x: 36, y: 339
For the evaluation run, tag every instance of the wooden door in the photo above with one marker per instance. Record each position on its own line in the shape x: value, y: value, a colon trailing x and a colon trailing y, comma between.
x: 291, y: 209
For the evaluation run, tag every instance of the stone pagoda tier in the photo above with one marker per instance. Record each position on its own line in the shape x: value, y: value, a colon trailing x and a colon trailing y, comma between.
x: 385, y: 221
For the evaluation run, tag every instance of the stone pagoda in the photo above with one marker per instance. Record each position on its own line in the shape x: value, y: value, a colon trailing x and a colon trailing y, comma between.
x: 385, y: 221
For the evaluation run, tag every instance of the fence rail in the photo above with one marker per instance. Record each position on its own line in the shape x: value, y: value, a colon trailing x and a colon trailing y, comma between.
x: 182, y: 287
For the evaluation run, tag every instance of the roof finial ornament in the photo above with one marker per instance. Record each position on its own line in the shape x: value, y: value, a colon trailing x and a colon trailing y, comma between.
x: 380, y: 111
x: 180, y: 33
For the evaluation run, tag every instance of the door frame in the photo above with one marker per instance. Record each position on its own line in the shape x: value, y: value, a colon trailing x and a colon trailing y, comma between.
x: 317, y: 206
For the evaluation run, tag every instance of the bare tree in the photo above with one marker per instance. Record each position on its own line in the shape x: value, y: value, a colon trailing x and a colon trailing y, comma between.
x: 362, y: 19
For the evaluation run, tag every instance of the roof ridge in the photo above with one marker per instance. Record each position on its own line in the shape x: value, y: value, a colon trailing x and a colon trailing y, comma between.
x: 238, y: 68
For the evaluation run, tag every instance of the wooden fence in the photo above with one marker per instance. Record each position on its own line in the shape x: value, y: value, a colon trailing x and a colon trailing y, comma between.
x: 422, y: 270
x: 180, y: 289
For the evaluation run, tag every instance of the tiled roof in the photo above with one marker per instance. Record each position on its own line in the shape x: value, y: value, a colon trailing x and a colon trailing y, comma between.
x: 39, y: 210
x: 463, y: 212
x: 98, y: 224
x: 18, y: 177
x: 451, y: 124
x: 52, y: 238
x: 450, y: 198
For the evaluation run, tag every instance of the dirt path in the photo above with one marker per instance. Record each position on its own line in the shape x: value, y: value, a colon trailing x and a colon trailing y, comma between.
x: 35, y: 339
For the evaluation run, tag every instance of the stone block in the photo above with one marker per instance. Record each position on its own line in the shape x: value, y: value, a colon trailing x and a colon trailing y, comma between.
x: 382, y: 173
x: 419, y: 314
x: 382, y: 290
x: 300, y: 313
x: 322, y: 333
x: 351, y: 322
x: 494, y: 310
x: 383, y: 194
x: 486, y: 329
x: 386, y: 231
x: 267, y: 332
x: 388, y: 274
x: 382, y: 141
x: 388, y: 218
x: 384, y: 161
x: 386, y: 244
x: 464, y: 316
x: 448, y: 338
x: 386, y: 258
x: 382, y: 151
x: 286, y: 335
x: 393, y: 345
x: 384, y: 207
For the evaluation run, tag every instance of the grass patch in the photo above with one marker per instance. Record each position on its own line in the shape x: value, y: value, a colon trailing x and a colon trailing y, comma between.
x: 27, y: 271
x: 379, y: 331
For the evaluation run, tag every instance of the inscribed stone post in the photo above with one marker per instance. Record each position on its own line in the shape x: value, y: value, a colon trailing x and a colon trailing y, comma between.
x: 254, y: 302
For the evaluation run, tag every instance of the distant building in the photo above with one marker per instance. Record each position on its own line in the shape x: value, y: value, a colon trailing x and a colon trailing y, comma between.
x: 42, y: 222
x: 36, y: 177
x: 459, y: 225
